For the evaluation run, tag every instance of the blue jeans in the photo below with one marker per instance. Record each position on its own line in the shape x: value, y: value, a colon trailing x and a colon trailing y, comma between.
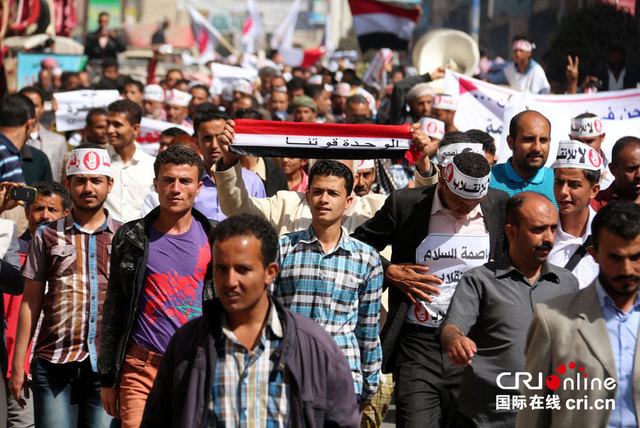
x: 67, y: 395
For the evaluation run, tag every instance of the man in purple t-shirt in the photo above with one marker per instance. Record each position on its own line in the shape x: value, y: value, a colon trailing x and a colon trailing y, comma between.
x: 158, y: 270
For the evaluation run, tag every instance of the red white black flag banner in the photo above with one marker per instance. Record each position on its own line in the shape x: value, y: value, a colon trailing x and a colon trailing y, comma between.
x: 320, y: 140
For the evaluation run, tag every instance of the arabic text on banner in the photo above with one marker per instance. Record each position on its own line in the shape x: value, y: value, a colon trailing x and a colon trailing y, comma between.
x: 448, y: 258
x: 490, y: 107
x: 73, y: 106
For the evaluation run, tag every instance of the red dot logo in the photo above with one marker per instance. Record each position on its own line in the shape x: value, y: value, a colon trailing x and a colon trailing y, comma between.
x: 572, y: 365
x: 597, y: 125
x: 449, y: 172
x: 594, y: 158
x: 432, y: 128
x: 561, y: 369
x: 421, y: 313
x: 553, y: 382
x: 91, y: 161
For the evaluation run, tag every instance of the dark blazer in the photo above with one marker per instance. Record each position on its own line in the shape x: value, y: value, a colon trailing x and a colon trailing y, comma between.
x: 403, y: 223
x: 93, y: 50
x: 276, y: 178
x: 629, y: 81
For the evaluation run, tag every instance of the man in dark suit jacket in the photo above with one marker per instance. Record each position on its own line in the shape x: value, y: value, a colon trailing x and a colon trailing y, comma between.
x: 412, y: 221
x: 104, y: 43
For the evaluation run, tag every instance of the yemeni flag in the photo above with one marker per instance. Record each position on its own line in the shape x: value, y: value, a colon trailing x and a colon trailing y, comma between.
x: 296, y: 57
x: 320, y: 140
x: 383, y: 25
x: 205, y: 34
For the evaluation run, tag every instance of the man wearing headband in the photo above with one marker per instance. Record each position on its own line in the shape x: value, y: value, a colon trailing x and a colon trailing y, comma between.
x: 66, y: 274
x: 577, y: 172
x: 529, y: 139
x: 436, y: 232
x: 132, y: 168
x: 523, y: 74
x: 492, y: 307
x: 625, y: 167
x: 587, y: 128
x: 443, y: 107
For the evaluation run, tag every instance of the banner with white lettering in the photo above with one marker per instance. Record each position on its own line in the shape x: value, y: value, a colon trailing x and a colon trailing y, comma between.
x: 150, y: 130
x: 73, y: 106
x: 320, y: 140
x: 490, y: 107
x: 448, y: 258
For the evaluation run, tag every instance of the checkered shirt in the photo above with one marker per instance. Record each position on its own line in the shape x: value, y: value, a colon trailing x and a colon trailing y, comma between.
x: 249, y: 389
x: 341, y: 291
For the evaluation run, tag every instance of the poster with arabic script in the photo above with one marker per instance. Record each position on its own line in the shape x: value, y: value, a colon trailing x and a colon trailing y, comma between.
x: 489, y: 107
x: 73, y: 106
x: 448, y: 257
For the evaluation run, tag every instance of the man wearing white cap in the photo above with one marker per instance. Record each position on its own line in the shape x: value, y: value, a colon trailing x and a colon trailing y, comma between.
x: 132, y: 168
x: 587, y: 128
x: 523, y: 74
x: 436, y: 232
x: 577, y: 172
x: 341, y: 93
x: 177, y: 107
x: 415, y: 92
x: 66, y: 274
x: 443, y: 107
x: 153, y: 101
x: 365, y: 177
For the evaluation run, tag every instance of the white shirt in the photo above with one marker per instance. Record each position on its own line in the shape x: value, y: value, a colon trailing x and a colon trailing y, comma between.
x: 131, y: 183
x: 533, y: 79
x: 565, y: 246
x: 616, y: 84
x: 606, y: 177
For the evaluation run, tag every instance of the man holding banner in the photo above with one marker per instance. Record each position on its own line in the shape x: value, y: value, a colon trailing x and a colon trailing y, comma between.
x: 433, y: 231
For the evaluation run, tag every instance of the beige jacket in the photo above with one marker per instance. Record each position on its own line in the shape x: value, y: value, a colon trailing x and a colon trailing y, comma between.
x: 572, y: 329
x: 287, y: 211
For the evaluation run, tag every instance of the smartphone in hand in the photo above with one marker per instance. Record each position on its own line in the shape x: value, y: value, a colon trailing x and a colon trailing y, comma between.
x: 23, y: 193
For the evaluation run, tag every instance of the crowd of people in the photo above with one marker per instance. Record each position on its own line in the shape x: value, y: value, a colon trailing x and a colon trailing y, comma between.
x: 186, y: 285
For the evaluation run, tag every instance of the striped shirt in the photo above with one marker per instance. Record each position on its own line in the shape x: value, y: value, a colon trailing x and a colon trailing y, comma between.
x: 248, y: 388
x: 10, y: 163
x: 74, y: 262
x: 341, y: 291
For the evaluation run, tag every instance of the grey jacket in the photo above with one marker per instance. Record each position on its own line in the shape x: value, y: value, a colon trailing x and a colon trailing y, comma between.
x: 322, y: 392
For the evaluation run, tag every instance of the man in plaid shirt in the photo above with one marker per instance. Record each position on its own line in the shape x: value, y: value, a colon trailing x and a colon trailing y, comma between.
x: 334, y: 279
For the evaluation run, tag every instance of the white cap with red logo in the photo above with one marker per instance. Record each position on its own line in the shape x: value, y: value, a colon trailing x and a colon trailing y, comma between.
x: 574, y: 154
x: 434, y: 128
x: 342, y: 89
x: 444, y: 102
x: 586, y: 127
x: 89, y: 161
x: 364, y: 164
x: 178, y: 98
